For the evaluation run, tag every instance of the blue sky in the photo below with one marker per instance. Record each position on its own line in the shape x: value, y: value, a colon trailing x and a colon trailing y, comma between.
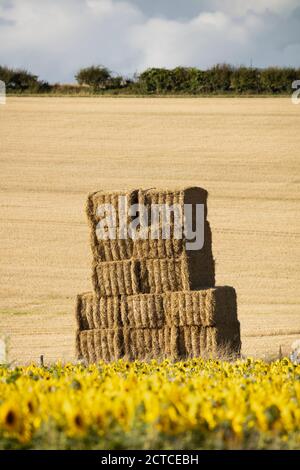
x: 54, y: 38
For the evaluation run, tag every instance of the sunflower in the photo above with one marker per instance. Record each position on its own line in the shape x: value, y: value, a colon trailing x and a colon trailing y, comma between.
x: 31, y: 405
x: 10, y: 417
x: 77, y: 423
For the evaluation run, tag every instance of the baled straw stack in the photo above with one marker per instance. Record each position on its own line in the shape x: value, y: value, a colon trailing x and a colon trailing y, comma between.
x: 175, y: 343
x: 117, y: 248
x: 94, y: 313
x: 154, y: 276
x: 128, y: 343
x: 101, y: 345
x: 120, y: 249
x: 143, y: 311
x: 147, y: 343
x: 173, y: 200
x: 153, y: 298
x: 117, y: 278
x: 225, y: 340
x: 206, y: 307
x: 200, y: 341
x: 81, y: 308
x: 137, y: 311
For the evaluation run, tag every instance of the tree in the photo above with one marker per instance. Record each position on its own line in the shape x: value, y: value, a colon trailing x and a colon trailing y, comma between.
x: 6, y: 75
x: 20, y: 80
x: 98, y: 77
x: 182, y: 78
x: 156, y: 80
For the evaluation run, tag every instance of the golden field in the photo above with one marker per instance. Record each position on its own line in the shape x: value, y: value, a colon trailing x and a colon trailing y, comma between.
x: 53, y: 151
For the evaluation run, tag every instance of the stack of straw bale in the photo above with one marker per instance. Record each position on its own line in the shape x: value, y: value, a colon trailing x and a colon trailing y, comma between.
x: 153, y: 298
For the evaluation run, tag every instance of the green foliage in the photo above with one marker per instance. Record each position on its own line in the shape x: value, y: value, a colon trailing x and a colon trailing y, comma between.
x: 19, y: 80
x: 245, y: 80
x: 156, y: 80
x: 219, y: 79
x: 97, y: 77
x: 278, y: 80
x: 6, y: 75
x: 222, y: 78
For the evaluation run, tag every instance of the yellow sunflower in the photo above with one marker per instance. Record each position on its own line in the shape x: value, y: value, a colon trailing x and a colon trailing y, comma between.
x: 10, y: 417
x: 77, y: 423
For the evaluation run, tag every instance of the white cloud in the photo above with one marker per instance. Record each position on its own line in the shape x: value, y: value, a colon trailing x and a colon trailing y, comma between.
x: 54, y: 38
x: 206, y: 40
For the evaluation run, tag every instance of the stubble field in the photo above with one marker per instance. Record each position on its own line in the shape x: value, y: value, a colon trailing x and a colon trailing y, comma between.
x: 53, y: 151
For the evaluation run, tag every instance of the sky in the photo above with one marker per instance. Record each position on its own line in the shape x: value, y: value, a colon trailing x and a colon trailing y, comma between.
x: 55, y: 38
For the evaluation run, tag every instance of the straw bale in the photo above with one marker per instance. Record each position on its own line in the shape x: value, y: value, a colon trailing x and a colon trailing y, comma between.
x: 172, y: 247
x: 199, y: 341
x: 80, y: 312
x: 104, y: 344
x: 207, y: 307
x: 118, y: 249
x: 78, y: 352
x: 116, y: 278
x: 110, y: 249
x: 84, y: 350
x: 142, y: 311
x: 144, y: 343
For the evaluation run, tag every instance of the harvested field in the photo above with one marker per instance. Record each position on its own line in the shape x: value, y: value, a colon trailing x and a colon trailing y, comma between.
x: 54, y: 151
x: 54, y: 336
